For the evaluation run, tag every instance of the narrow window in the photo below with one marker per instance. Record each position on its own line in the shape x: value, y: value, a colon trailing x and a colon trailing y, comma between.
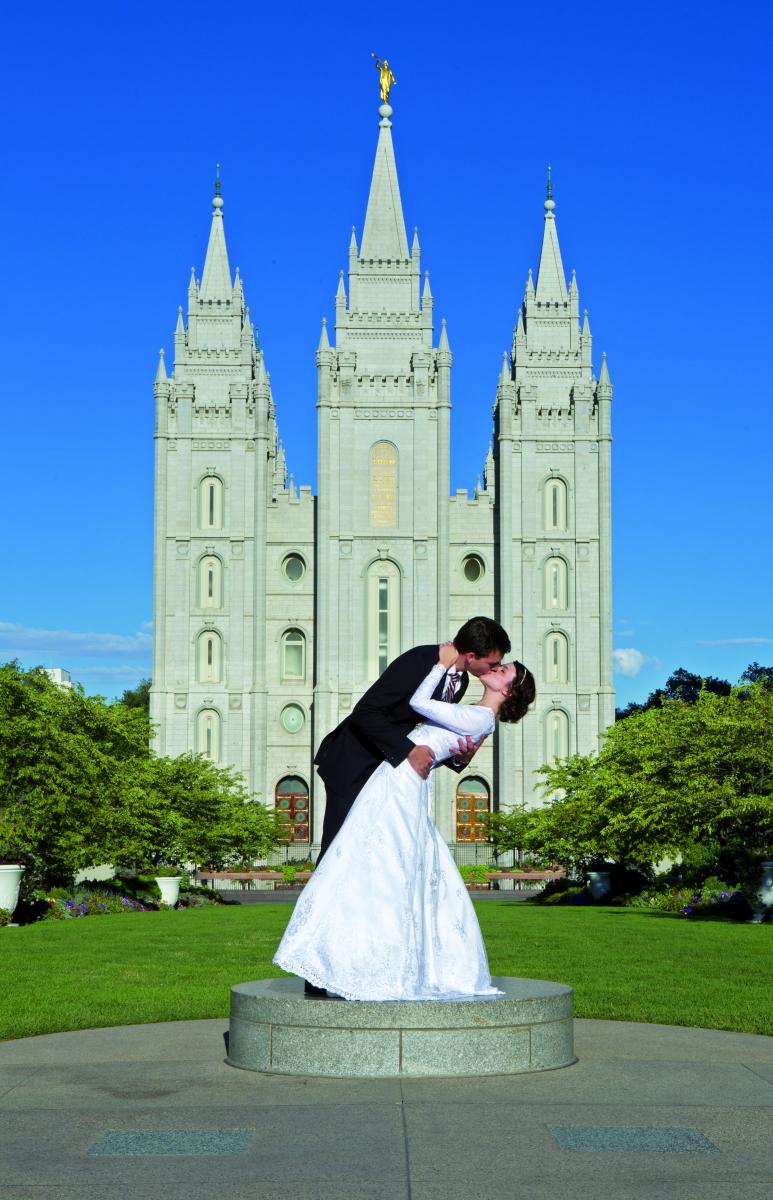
x: 556, y: 735
x: 210, y: 582
x: 555, y: 505
x: 293, y: 655
x: 556, y: 584
x: 556, y: 658
x: 208, y: 734
x: 383, y: 617
x: 383, y: 624
x: 209, y: 656
x: 211, y: 503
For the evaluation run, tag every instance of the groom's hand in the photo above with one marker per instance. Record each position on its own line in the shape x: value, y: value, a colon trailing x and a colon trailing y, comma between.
x: 465, y: 751
x: 421, y: 759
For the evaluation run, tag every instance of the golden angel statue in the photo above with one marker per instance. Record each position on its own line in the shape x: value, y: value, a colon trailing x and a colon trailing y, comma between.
x: 386, y: 78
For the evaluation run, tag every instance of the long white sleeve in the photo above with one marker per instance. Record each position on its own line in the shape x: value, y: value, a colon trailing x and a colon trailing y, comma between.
x: 468, y: 719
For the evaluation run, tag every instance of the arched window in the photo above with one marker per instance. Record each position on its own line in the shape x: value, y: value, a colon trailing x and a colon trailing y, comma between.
x: 555, y: 505
x: 208, y: 734
x: 383, y: 486
x: 473, y: 805
x: 383, y: 616
x: 556, y: 735
x: 211, y: 502
x: 556, y: 584
x: 292, y: 806
x: 210, y: 582
x: 556, y: 658
x: 293, y: 655
x: 209, y: 657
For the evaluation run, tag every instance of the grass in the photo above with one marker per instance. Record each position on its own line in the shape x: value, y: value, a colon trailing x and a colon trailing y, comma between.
x: 171, y: 966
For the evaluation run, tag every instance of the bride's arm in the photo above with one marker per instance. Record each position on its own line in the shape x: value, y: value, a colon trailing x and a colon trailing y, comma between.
x: 459, y: 718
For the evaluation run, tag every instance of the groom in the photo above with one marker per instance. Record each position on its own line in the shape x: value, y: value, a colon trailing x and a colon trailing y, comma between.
x: 376, y: 729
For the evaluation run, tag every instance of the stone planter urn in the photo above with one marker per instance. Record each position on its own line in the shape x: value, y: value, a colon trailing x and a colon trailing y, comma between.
x: 765, y: 893
x: 169, y: 886
x: 10, y: 879
x: 764, y: 898
x: 599, y: 885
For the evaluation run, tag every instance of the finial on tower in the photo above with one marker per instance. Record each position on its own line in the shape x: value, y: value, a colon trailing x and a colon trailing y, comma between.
x: 549, y: 202
x: 218, y: 200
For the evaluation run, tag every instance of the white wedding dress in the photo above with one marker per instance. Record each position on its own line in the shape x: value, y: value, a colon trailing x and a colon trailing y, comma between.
x: 386, y: 916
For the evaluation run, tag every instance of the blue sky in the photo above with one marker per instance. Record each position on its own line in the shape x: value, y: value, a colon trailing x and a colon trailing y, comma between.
x: 656, y: 121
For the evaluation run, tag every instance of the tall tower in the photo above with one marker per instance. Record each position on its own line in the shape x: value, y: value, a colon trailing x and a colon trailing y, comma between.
x: 383, y: 406
x: 552, y: 522
x: 216, y: 448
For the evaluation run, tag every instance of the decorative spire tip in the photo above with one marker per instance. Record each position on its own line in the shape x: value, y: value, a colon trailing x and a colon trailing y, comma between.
x: 217, y: 203
x: 549, y: 202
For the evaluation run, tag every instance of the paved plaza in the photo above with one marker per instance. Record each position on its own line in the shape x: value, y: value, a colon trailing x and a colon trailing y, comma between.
x: 649, y: 1112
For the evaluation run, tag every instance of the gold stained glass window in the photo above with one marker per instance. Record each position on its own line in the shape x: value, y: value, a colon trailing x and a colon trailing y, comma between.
x: 383, y: 486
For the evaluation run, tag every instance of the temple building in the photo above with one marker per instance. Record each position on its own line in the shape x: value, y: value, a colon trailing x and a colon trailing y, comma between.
x: 275, y: 609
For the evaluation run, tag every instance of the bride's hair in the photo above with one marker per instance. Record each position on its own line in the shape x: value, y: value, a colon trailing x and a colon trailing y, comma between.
x: 521, y: 695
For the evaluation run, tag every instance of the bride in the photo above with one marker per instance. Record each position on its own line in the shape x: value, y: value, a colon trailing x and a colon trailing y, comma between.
x: 386, y: 915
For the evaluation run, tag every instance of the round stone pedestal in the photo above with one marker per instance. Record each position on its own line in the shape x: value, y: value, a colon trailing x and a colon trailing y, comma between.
x: 275, y: 1028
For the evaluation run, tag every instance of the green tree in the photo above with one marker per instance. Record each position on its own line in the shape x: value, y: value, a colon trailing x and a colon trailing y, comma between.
x: 666, y: 780
x: 79, y: 786
x: 509, y: 829
x: 138, y: 697
x: 65, y: 763
x: 186, y: 809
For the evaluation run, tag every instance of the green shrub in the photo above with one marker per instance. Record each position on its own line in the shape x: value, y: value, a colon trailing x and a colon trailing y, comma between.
x: 474, y: 873
x: 5, y: 917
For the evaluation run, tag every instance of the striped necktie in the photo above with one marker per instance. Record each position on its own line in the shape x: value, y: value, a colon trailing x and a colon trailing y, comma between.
x: 452, y: 678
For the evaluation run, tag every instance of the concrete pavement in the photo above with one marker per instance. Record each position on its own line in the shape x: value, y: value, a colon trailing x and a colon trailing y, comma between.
x: 648, y: 1113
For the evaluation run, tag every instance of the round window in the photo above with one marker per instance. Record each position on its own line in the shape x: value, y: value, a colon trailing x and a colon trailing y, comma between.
x: 294, y: 567
x: 293, y: 718
x: 473, y: 568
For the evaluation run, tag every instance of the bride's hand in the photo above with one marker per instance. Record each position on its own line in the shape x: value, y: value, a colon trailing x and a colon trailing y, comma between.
x: 448, y: 654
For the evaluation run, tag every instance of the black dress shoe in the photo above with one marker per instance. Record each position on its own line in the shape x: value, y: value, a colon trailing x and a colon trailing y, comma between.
x: 311, y: 989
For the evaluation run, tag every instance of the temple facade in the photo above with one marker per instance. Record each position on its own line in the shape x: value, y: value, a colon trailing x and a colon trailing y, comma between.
x: 275, y: 609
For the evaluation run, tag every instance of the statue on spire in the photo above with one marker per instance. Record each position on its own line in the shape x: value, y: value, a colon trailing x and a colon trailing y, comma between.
x: 386, y: 78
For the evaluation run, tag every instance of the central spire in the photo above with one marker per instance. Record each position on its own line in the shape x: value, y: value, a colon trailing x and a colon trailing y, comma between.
x: 384, y: 234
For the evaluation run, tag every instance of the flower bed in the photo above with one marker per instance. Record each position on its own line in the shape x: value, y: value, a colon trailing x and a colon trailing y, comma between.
x: 64, y: 905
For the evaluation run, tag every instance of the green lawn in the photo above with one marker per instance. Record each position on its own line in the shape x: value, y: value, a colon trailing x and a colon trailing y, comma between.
x: 170, y: 966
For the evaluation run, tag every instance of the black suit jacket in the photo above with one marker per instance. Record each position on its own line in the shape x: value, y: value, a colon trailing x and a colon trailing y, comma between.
x: 377, y: 727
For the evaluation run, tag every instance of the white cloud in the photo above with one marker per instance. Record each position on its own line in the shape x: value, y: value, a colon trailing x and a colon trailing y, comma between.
x: 630, y: 662
x: 741, y: 641
x: 128, y: 673
x: 20, y: 641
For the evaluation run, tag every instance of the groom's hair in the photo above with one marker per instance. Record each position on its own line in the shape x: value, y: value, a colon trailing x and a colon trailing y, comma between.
x: 481, y: 635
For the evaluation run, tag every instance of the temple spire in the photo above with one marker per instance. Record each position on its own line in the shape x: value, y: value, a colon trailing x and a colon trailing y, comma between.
x: 384, y: 233
x: 216, y: 280
x: 551, y: 281
x: 161, y: 369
